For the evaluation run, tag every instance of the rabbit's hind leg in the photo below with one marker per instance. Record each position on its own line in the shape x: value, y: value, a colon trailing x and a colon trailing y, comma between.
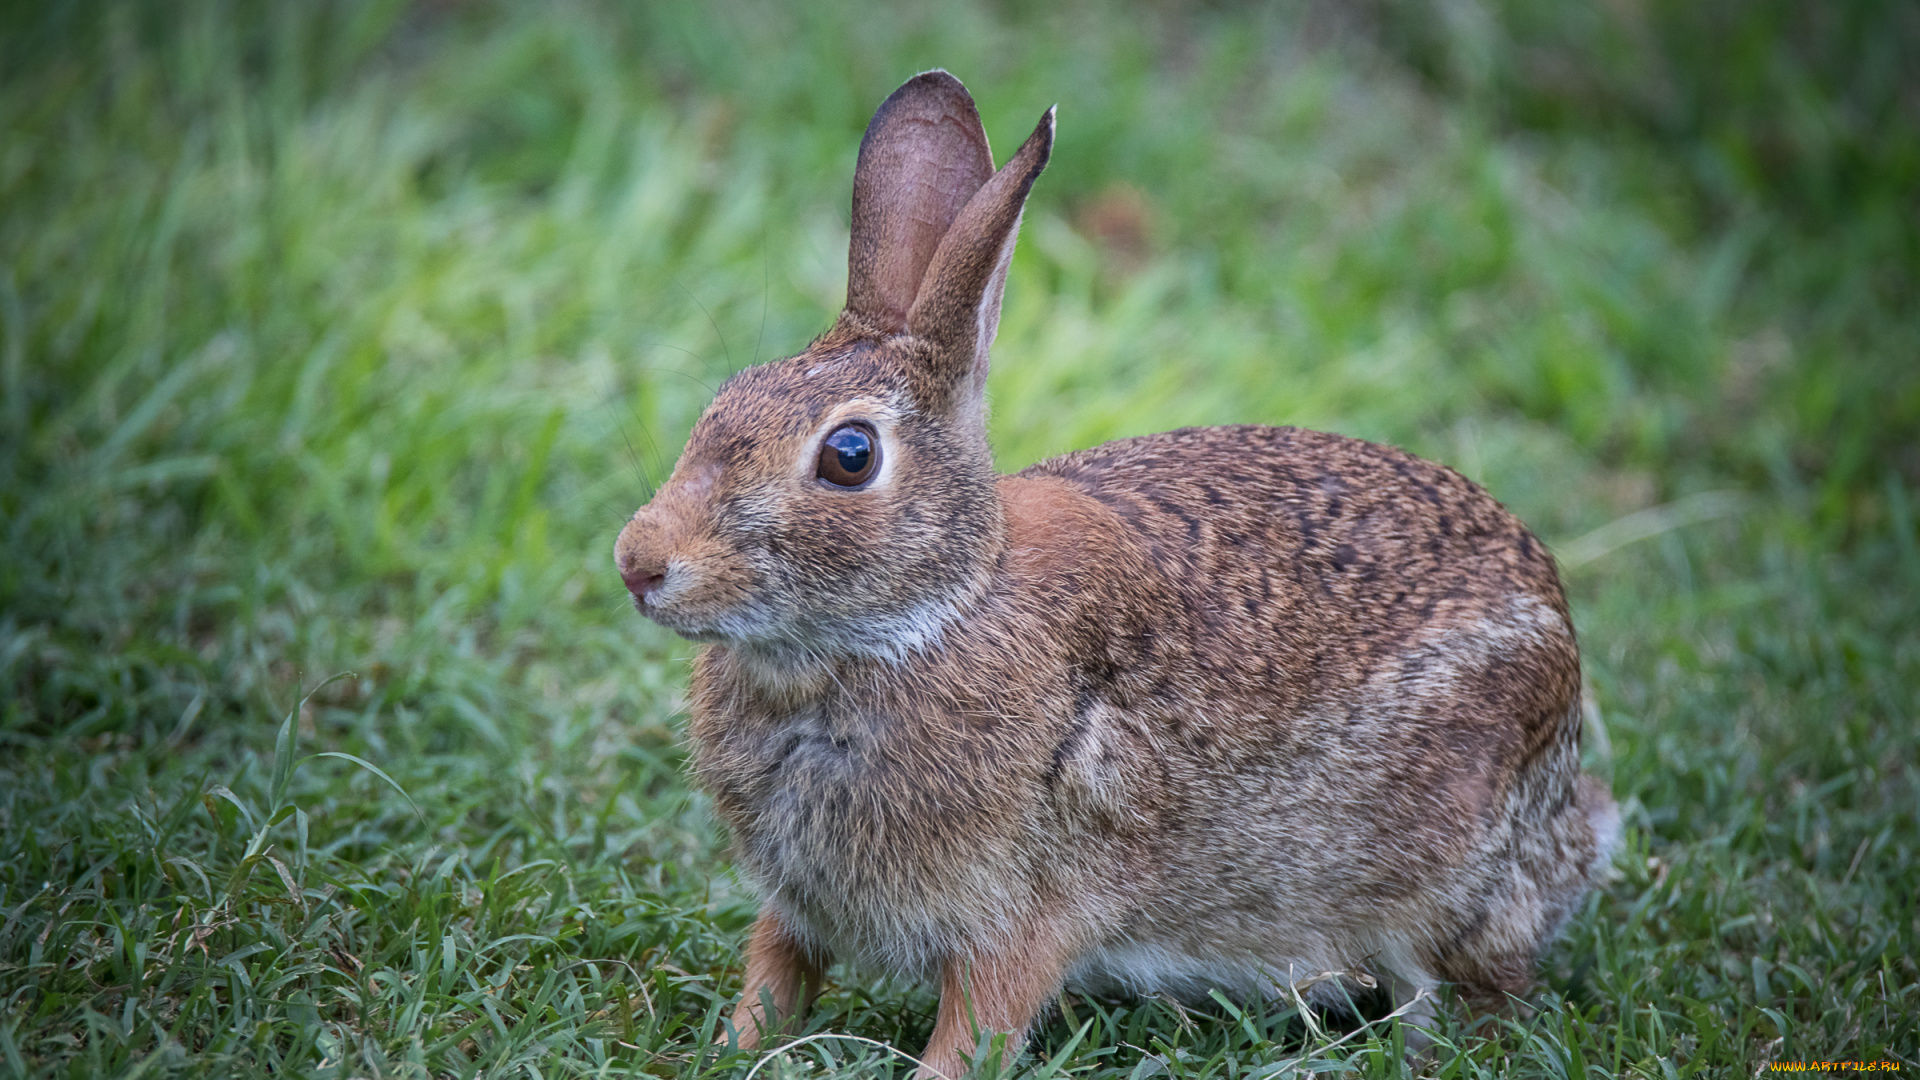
x: 1416, y: 1006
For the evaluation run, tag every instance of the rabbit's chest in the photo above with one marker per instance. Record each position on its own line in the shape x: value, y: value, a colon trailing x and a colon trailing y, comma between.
x: 814, y: 792
x: 871, y: 836
x: 809, y: 756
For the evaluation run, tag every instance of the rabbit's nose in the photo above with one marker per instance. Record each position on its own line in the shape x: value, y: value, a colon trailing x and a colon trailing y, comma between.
x: 642, y: 574
x: 642, y: 581
x: 642, y: 565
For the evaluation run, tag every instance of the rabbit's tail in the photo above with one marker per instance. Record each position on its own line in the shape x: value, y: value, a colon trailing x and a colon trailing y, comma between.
x: 1603, y: 819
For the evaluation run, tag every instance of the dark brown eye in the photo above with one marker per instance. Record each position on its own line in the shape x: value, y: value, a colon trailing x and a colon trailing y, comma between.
x: 849, y: 456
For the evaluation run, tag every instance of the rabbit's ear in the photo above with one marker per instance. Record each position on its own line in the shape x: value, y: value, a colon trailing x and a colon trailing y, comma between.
x: 958, y: 309
x: 923, y: 157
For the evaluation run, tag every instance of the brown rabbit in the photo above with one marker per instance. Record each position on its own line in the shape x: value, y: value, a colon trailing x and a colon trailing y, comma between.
x: 1224, y: 707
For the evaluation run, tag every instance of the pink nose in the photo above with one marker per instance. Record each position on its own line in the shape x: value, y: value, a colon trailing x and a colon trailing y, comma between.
x: 643, y: 580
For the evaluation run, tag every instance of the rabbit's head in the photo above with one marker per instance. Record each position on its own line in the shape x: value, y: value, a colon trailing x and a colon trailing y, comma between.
x: 843, y: 501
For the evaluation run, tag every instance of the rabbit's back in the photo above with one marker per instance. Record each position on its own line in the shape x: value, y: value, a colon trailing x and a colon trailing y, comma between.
x: 1303, y: 571
x: 1343, y: 550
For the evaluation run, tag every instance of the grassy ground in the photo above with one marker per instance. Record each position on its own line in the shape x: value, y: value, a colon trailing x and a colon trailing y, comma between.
x: 341, y: 338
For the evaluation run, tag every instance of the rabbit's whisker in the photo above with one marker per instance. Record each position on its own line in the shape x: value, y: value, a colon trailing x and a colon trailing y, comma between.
x: 711, y: 321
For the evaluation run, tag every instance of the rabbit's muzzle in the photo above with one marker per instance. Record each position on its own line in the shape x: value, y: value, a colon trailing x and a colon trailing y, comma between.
x: 665, y: 552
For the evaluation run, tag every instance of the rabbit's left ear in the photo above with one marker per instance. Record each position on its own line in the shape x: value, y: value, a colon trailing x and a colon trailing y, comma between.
x: 957, y: 309
x: 924, y: 155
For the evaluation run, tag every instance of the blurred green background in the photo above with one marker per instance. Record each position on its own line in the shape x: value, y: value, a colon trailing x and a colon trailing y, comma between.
x: 342, y: 337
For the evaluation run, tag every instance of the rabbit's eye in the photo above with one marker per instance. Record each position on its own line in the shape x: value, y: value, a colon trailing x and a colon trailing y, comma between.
x: 849, y: 456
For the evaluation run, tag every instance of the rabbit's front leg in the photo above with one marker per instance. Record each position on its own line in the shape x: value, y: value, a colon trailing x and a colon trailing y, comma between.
x: 1000, y: 988
x: 778, y: 967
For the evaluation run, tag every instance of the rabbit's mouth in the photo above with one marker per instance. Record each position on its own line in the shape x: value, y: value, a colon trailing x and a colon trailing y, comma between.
x: 727, y: 629
x: 757, y: 631
x: 678, y: 598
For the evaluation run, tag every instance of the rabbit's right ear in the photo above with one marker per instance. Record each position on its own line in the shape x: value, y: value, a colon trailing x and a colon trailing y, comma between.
x: 924, y: 155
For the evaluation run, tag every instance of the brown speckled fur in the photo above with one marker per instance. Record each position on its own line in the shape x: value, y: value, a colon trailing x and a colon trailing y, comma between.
x: 1222, y: 707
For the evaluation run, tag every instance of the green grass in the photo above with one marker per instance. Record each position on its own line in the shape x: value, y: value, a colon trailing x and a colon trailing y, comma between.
x: 342, y: 338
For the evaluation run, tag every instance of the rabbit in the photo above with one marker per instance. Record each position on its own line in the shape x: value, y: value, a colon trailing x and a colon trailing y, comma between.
x: 1222, y: 708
